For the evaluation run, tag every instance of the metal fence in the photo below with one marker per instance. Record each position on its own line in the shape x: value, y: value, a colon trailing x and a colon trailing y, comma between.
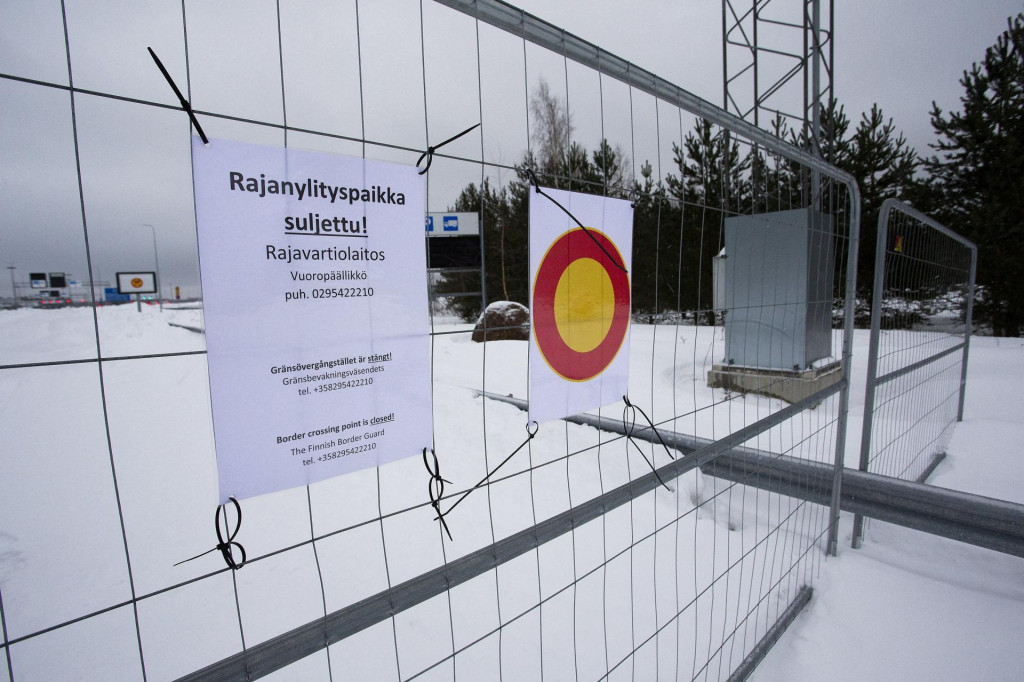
x: 920, y: 336
x: 591, y: 555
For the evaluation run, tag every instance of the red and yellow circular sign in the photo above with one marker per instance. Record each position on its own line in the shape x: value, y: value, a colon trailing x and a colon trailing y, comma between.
x: 580, y: 305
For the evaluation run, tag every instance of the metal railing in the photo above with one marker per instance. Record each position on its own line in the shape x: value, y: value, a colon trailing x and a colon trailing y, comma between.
x: 578, y: 560
x: 921, y: 316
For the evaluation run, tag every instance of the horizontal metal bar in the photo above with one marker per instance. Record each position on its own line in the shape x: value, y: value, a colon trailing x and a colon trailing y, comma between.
x: 115, y: 358
x: 974, y: 519
x: 761, y: 649
x: 197, y: 330
x: 940, y: 503
x: 685, y: 443
x: 979, y: 537
x: 456, y: 294
x: 917, y: 365
x: 936, y: 459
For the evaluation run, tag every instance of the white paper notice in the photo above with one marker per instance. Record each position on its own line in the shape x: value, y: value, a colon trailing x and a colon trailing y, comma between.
x: 315, y: 303
x: 580, y: 302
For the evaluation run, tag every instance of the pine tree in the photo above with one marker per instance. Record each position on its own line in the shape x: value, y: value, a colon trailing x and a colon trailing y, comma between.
x: 836, y: 147
x: 610, y: 168
x: 709, y: 165
x: 884, y: 165
x: 977, y: 176
x: 657, y: 240
x: 714, y: 179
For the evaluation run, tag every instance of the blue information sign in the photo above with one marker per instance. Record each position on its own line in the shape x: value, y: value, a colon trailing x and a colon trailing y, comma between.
x: 111, y: 294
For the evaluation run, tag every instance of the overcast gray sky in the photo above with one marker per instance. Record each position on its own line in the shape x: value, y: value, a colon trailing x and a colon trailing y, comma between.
x: 135, y: 158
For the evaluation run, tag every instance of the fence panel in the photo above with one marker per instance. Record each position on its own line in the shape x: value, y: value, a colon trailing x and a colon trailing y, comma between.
x: 590, y: 555
x: 920, y: 336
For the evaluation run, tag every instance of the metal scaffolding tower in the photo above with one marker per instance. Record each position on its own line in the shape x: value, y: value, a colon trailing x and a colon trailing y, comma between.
x: 777, y: 60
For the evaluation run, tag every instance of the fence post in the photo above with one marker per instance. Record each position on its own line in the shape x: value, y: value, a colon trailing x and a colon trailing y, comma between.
x: 968, y: 323
x: 882, y: 237
x: 844, y: 396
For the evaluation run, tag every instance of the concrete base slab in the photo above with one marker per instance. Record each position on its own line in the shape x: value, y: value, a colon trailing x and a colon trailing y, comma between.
x: 789, y: 385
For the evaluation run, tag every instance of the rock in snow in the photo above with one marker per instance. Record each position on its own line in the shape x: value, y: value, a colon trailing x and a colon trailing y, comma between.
x: 503, y: 321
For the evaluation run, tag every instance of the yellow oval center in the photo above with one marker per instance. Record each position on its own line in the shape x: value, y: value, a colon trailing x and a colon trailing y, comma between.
x: 584, y: 305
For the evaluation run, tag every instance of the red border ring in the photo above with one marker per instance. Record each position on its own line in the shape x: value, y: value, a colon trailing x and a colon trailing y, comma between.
x: 563, y: 360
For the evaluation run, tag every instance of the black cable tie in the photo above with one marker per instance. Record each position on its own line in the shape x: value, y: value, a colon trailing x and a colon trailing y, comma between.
x: 628, y: 428
x: 181, y: 98
x: 435, y: 488
x: 429, y: 154
x: 225, y: 544
x: 533, y: 181
x: 633, y: 195
x: 650, y: 424
x: 529, y: 436
x: 532, y: 177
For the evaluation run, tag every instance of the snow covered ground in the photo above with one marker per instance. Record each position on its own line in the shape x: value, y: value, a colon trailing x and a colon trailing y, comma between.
x: 906, y: 606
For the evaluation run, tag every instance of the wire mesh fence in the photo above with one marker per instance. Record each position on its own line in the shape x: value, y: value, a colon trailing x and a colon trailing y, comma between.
x: 920, y: 334
x: 591, y: 554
